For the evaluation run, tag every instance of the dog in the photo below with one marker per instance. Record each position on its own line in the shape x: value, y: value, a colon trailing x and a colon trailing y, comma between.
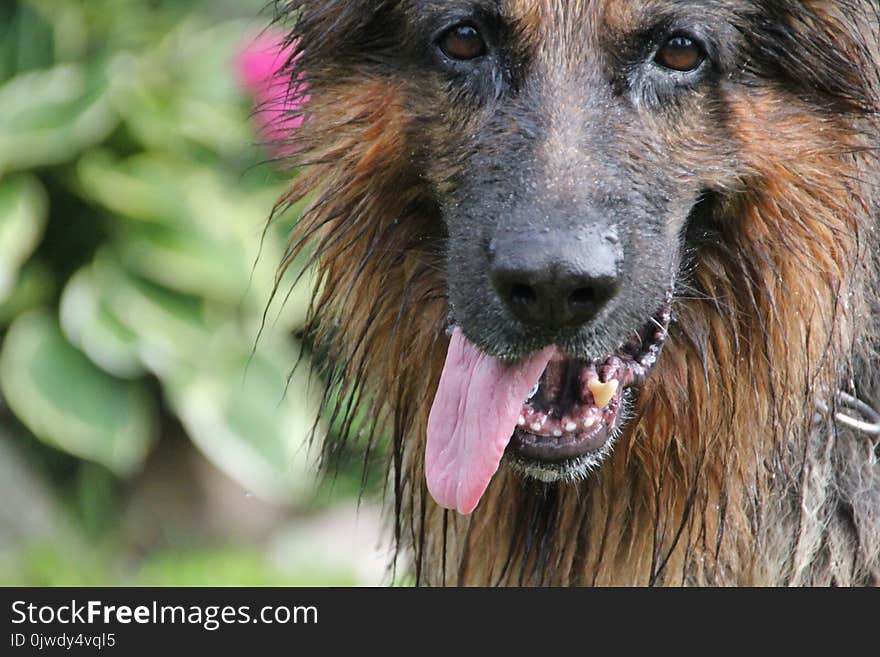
x: 600, y: 280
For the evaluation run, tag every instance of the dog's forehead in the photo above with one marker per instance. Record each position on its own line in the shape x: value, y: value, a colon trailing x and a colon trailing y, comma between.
x: 568, y: 16
x: 568, y: 22
x: 615, y: 16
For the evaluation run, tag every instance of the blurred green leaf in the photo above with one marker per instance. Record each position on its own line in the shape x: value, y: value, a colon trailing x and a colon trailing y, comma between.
x: 192, y: 230
x: 35, y: 288
x: 230, y: 567
x: 90, y: 326
x: 23, y: 210
x: 26, y: 39
x: 182, y: 97
x: 160, y: 188
x: 187, y: 262
x: 69, y: 403
x: 49, y: 116
x: 96, y: 498
x: 69, y: 29
x: 64, y: 562
x: 170, y: 328
x: 236, y: 412
x: 145, y: 187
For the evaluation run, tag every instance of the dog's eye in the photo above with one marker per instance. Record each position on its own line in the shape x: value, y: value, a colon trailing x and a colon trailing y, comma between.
x: 462, y: 42
x: 681, y: 53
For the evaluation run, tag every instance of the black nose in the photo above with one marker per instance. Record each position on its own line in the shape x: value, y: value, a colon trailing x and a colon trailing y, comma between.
x: 554, y: 290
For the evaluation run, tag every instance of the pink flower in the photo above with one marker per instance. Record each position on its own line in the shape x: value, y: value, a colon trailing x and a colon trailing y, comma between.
x: 263, y: 70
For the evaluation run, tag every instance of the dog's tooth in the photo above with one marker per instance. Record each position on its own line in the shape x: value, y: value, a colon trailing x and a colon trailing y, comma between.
x: 536, y: 426
x: 557, y: 433
x: 522, y: 421
x: 571, y: 427
x: 603, y: 393
x: 589, y: 422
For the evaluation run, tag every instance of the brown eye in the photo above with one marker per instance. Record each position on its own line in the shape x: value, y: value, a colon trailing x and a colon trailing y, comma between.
x: 463, y: 42
x: 680, y: 54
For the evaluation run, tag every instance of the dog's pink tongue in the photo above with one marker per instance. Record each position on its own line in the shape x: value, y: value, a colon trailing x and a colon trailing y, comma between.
x: 472, y: 420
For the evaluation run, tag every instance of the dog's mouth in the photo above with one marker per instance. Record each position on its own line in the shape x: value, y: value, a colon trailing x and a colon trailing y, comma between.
x: 572, y: 415
x: 572, y: 411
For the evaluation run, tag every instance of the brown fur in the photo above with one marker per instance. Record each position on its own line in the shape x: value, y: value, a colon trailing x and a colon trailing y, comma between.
x: 724, y: 477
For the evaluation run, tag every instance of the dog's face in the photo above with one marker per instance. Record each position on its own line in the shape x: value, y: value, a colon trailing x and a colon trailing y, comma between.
x: 574, y: 147
x: 577, y: 154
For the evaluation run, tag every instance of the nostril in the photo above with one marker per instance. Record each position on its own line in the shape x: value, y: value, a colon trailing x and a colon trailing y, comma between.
x: 523, y: 295
x: 583, y: 296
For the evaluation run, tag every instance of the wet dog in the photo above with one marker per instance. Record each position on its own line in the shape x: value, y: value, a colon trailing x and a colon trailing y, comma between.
x: 604, y: 274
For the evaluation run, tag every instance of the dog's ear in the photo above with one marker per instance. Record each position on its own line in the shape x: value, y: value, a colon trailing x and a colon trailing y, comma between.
x: 337, y: 34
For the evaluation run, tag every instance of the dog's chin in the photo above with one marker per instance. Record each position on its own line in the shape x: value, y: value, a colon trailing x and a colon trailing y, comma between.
x: 569, y: 470
x: 570, y: 422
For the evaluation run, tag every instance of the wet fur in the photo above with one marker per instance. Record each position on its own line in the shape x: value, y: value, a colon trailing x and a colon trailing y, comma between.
x: 726, y: 476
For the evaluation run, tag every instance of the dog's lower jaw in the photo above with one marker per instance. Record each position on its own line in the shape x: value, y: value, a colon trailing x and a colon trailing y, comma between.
x: 580, y: 468
x: 567, y: 472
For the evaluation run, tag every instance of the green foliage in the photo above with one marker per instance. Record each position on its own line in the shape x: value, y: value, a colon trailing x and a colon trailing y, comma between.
x: 68, y: 402
x: 134, y: 271
x: 48, y: 565
x: 22, y: 221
